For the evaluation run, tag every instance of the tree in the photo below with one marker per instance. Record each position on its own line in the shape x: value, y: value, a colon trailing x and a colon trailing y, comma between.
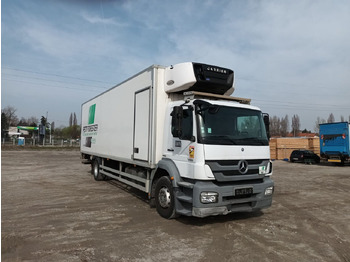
x: 10, y: 113
x: 284, y: 126
x: 57, y: 132
x: 75, y: 122
x: 23, y: 122
x: 53, y: 127
x: 32, y: 121
x: 43, y: 121
x: 331, y: 118
x: 4, y: 125
x: 342, y: 119
x: 275, y: 123
x: 71, y: 120
x: 295, y: 125
x: 317, y: 124
x: 305, y: 131
x: 71, y: 132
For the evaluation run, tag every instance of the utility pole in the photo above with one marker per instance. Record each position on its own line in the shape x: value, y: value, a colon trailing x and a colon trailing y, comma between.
x: 47, y: 121
x: 47, y: 114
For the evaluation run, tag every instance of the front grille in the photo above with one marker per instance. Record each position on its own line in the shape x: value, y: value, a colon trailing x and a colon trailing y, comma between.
x: 237, y: 173
x: 228, y: 170
x: 235, y: 162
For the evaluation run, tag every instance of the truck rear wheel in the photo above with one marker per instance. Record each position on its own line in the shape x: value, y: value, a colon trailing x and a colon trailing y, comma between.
x: 164, y: 198
x: 96, y: 170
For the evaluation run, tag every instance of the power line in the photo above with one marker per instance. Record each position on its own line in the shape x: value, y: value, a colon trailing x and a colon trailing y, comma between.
x: 279, y: 83
x: 57, y: 75
x: 56, y: 81
x: 42, y: 84
x: 270, y: 103
x: 299, y: 105
x: 304, y: 108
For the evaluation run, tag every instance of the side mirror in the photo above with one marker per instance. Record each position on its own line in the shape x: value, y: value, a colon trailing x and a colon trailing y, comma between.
x: 177, y: 115
x: 267, y: 124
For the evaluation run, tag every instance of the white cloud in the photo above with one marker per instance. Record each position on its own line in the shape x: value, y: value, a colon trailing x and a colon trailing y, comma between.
x: 280, y: 50
x: 61, y: 44
x: 96, y: 19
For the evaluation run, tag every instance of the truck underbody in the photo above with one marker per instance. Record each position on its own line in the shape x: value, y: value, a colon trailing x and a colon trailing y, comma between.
x: 233, y: 197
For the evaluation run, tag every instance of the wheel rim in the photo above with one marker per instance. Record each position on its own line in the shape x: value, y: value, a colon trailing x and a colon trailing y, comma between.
x: 95, y: 170
x: 164, y: 197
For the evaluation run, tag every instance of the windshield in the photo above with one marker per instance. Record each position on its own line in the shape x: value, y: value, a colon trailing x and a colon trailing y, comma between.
x: 223, y: 125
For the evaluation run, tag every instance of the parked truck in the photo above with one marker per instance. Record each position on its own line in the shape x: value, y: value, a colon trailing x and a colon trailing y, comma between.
x: 335, y: 142
x: 177, y: 134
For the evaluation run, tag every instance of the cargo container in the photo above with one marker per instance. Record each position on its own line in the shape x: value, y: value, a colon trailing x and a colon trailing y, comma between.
x: 335, y: 142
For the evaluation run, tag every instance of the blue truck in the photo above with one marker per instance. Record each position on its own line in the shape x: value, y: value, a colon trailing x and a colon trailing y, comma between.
x: 335, y: 142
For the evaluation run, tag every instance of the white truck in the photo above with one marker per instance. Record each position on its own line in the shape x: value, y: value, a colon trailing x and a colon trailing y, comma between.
x: 177, y: 134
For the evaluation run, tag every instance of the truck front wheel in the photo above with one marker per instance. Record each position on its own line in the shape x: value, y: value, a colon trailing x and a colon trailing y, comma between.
x: 164, y: 198
x: 96, y: 170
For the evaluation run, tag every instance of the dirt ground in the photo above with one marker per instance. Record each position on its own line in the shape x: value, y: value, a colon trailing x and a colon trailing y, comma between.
x: 53, y: 210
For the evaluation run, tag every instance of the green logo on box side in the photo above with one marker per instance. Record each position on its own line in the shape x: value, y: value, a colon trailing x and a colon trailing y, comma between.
x: 92, y: 114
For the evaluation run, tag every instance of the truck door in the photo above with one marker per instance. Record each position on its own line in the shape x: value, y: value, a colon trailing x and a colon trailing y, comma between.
x: 142, y: 124
x: 183, y: 149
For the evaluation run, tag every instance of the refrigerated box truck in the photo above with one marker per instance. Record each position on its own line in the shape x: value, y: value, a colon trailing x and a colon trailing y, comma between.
x: 335, y: 142
x: 177, y: 134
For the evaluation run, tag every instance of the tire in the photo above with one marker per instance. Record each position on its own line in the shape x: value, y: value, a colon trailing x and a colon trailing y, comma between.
x: 164, y: 198
x: 96, y: 170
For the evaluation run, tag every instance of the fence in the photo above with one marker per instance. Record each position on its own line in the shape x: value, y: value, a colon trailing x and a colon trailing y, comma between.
x: 59, y: 142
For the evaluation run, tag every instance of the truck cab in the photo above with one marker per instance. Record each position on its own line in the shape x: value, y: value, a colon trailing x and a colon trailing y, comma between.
x: 220, y: 148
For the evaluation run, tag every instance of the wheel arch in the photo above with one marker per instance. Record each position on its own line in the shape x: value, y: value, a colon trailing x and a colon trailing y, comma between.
x: 165, y: 167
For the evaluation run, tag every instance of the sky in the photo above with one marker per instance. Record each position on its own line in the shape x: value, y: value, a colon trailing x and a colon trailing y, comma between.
x: 290, y: 57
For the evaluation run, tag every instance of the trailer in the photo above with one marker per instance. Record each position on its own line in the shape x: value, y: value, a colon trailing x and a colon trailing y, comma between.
x: 176, y: 133
x: 335, y: 142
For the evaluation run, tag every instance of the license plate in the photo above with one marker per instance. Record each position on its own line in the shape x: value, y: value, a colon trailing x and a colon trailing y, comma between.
x: 244, y: 192
x: 334, y: 160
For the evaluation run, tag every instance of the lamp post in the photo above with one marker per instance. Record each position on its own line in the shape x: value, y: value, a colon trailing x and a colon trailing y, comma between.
x: 49, y: 124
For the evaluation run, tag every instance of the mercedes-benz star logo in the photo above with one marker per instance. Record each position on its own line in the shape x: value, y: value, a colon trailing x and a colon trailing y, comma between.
x: 243, y: 166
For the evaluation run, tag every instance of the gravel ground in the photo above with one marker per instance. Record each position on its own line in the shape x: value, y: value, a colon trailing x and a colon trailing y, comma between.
x: 53, y: 210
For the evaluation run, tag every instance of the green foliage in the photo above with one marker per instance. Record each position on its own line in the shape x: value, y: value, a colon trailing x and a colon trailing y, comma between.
x: 43, y: 121
x: 70, y: 132
x: 4, y: 125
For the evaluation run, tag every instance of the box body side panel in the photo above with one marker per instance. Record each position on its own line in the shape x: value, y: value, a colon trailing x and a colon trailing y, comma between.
x: 108, y: 120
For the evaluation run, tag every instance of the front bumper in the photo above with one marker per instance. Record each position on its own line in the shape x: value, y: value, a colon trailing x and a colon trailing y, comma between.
x: 228, y: 202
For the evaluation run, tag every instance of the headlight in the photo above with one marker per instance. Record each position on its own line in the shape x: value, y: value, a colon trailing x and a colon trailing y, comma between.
x: 209, y: 197
x: 269, y: 191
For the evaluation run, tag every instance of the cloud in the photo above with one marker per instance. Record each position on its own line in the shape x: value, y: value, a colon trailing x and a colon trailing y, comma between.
x: 284, y: 51
x: 47, y: 38
x: 95, y: 19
